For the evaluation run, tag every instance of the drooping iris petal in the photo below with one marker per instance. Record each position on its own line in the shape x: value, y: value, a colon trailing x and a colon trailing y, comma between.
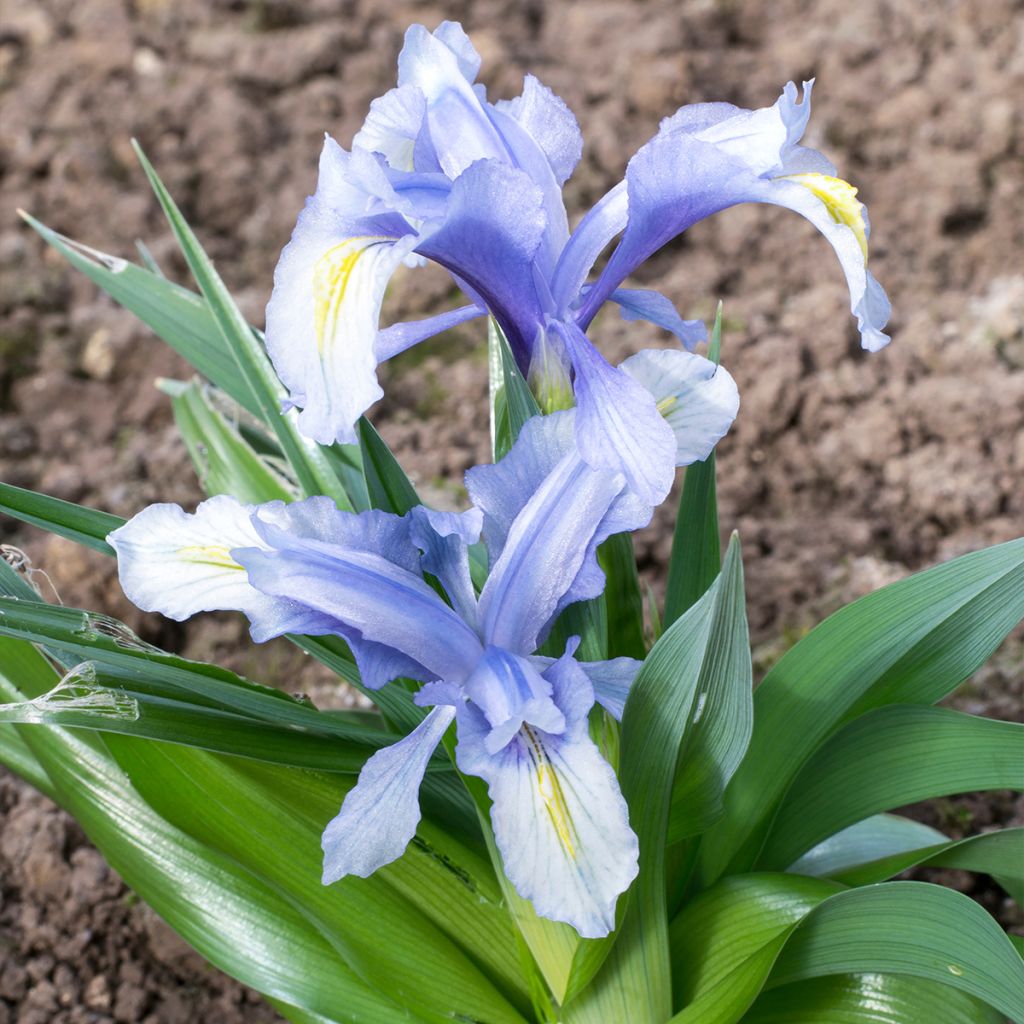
x: 503, y: 490
x: 713, y: 156
x: 672, y: 182
x: 379, y: 816
x: 641, y: 304
x: 550, y: 123
x: 384, y: 602
x: 329, y: 284
x: 843, y: 223
x: 444, y: 539
x: 494, y: 225
x: 178, y: 564
x: 697, y: 399
x: 618, y: 426
x: 511, y: 693
x: 559, y: 819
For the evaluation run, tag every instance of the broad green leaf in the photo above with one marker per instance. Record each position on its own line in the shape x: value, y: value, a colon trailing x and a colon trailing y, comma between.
x: 696, y: 547
x: 869, y: 999
x: 429, y: 928
x: 225, y: 463
x: 306, y: 458
x: 235, y: 921
x: 635, y: 982
x: 102, y: 702
x: 240, y: 923
x: 717, y: 738
x: 386, y: 483
x: 865, y: 853
x: 512, y: 402
x: 887, y: 758
x: 867, y: 841
x: 83, y: 525
x: 911, y: 642
x: 86, y: 636
x: 725, y: 942
x: 907, y: 928
x: 624, y: 606
x: 178, y: 316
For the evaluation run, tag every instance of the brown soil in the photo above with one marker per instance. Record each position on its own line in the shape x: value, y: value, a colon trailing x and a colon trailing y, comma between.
x: 844, y: 471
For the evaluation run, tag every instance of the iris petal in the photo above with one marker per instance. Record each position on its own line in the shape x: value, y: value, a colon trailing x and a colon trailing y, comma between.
x: 178, y: 564
x: 379, y: 816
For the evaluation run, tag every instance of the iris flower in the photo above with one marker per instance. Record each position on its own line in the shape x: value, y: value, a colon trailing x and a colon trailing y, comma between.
x: 559, y: 819
x: 438, y: 172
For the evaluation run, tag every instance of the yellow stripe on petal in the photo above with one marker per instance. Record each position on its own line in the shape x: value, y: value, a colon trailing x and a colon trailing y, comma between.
x: 840, y: 199
x: 208, y: 554
x: 550, y: 789
x: 332, y: 274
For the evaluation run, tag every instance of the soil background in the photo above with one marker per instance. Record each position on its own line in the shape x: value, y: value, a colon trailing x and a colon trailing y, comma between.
x: 844, y: 471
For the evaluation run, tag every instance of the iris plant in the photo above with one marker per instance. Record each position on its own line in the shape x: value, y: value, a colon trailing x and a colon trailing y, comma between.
x: 438, y: 172
x: 559, y: 819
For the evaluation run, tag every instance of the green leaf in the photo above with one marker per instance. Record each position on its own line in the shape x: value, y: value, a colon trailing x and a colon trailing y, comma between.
x: 87, y: 636
x: 224, y: 462
x: 178, y: 316
x: 623, y: 602
x: 911, y: 642
x: 512, y: 402
x: 725, y: 942
x: 696, y: 548
x: 907, y: 928
x: 307, y: 459
x: 428, y: 929
x: 717, y: 738
x: 887, y: 758
x: 871, y: 851
x: 635, y: 982
x: 869, y: 999
x: 867, y: 841
x: 386, y: 483
x: 104, y: 702
x: 83, y: 525
x: 241, y: 925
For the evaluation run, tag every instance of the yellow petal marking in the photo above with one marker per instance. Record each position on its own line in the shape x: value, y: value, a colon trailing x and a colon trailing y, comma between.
x: 208, y: 554
x: 331, y: 275
x: 840, y: 199
x: 666, y: 403
x: 550, y: 789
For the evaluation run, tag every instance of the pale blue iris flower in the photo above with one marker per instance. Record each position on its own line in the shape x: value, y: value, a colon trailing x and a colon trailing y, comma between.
x: 440, y: 173
x: 559, y: 819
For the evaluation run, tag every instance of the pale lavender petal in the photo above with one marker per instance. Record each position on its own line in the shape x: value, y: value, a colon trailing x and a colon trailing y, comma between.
x: 493, y: 228
x: 544, y: 553
x: 551, y: 123
x: 399, y: 337
x: 444, y: 539
x: 379, y: 816
x: 503, y: 491
x: 618, y: 426
x: 697, y: 399
x: 559, y: 818
x: 384, y: 602
x: 178, y: 564
x: 641, y: 304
